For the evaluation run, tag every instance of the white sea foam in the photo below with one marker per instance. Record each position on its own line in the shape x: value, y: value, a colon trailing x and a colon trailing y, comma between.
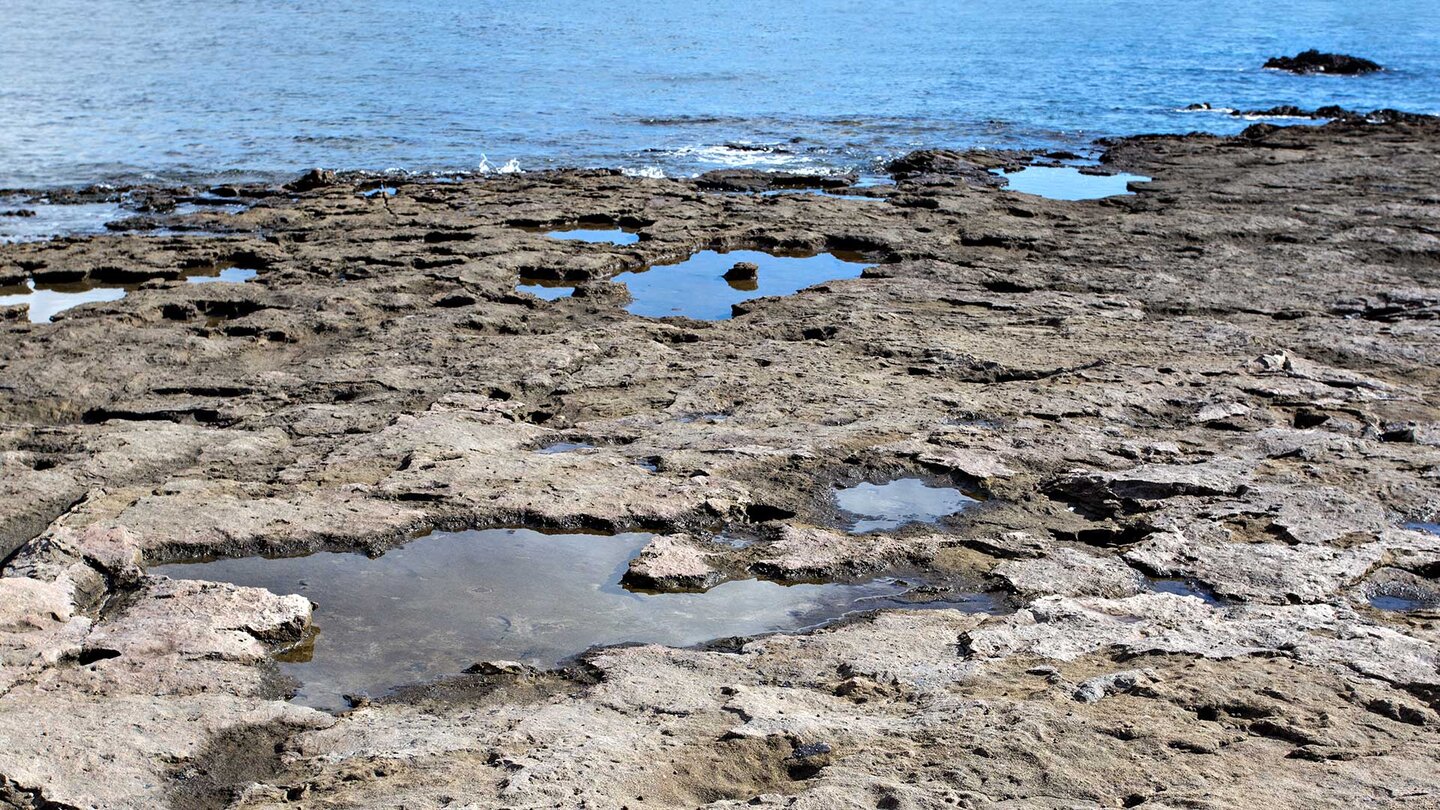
x: 511, y: 166
x: 1221, y: 110
x: 738, y: 157
x: 652, y: 172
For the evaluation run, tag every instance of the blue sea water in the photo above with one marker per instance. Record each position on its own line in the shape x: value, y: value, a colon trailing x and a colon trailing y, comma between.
x: 123, y: 90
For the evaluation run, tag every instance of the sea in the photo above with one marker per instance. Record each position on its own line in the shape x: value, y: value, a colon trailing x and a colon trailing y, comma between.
x: 128, y: 91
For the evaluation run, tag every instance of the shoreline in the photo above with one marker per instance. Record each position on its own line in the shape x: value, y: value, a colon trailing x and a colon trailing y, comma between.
x: 1225, y: 378
x: 106, y: 190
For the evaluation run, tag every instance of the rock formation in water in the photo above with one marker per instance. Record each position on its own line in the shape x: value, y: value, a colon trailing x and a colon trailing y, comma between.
x: 1313, y: 61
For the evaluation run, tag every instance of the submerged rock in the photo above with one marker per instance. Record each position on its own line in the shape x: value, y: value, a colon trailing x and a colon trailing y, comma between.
x: 1334, y: 112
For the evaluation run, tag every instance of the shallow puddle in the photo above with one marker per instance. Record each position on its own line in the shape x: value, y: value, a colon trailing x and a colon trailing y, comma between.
x: 50, y: 220
x: 598, y: 234
x: 210, y: 205
x: 545, y: 288
x: 1421, y: 526
x: 230, y: 274
x: 1403, y: 597
x: 564, y: 447
x: 1397, y: 604
x: 698, y: 288
x: 1069, y: 183
x: 880, y: 507
x: 1183, y: 587
x: 45, y: 300
x: 451, y: 599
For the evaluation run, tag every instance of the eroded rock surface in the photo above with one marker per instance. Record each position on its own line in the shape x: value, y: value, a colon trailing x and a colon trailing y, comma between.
x: 1228, y: 378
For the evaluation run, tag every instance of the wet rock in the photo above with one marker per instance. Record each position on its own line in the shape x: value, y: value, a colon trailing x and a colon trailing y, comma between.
x: 742, y: 271
x: 1011, y: 545
x: 1392, y: 116
x: 1281, y: 111
x: 810, y: 750
x: 312, y: 180
x: 754, y: 180
x: 211, y: 620
x: 941, y: 164
x: 672, y: 563
x: 1392, y: 589
x: 497, y: 669
x: 1313, y: 61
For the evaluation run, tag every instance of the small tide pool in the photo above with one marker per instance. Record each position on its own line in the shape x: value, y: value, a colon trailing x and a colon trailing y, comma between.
x: 227, y: 274
x: 868, y: 507
x: 546, y: 289
x: 1069, y: 183
x: 44, y: 301
x: 706, y: 286
x: 450, y: 599
x: 595, y: 234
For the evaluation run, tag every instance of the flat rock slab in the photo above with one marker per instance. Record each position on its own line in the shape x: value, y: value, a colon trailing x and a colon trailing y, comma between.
x: 1228, y: 376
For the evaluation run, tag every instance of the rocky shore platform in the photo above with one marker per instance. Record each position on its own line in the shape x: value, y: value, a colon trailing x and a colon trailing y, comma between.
x: 1229, y: 380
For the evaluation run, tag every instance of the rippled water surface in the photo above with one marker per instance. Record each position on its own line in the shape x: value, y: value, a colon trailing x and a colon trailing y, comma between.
x: 125, y: 89
x: 45, y: 220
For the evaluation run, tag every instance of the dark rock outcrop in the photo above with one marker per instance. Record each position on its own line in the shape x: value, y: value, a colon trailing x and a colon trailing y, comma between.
x: 754, y: 180
x: 945, y: 164
x: 1313, y: 61
x: 742, y: 271
x: 311, y: 180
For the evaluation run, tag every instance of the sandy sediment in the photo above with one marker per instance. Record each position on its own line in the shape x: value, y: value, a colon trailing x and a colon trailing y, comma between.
x: 1229, y: 378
